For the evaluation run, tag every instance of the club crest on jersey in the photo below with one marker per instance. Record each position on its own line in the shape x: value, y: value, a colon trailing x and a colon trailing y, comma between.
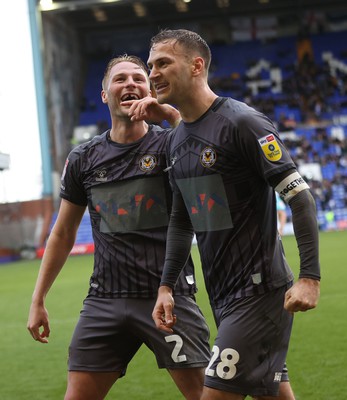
x: 270, y: 147
x: 208, y: 157
x: 147, y: 163
x: 101, y: 175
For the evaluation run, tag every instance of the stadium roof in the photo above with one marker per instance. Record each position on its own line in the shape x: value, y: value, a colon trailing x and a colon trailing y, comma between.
x: 92, y: 15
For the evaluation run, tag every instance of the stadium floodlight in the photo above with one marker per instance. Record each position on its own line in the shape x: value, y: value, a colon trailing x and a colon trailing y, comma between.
x: 46, y: 5
x: 50, y: 5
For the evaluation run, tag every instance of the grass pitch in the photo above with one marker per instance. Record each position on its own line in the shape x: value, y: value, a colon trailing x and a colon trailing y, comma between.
x: 31, y: 370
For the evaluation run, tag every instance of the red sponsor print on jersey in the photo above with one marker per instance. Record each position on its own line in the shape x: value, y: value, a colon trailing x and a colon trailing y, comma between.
x: 149, y: 204
x: 138, y: 198
x: 201, y: 203
x: 136, y: 201
x: 206, y: 202
x: 131, y: 205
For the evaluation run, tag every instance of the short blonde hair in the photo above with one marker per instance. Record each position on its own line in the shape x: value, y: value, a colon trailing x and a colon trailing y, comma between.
x: 123, y: 58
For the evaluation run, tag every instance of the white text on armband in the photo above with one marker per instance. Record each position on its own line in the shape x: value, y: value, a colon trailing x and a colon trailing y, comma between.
x: 290, y: 186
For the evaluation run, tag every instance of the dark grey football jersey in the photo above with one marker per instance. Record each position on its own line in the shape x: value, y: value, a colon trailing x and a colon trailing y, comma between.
x: 220, y: 165
x: 129, y: 200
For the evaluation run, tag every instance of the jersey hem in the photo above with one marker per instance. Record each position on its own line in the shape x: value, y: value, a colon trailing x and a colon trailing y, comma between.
x: 261, y: 290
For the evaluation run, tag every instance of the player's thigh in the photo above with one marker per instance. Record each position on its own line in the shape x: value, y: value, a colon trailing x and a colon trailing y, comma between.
x: 251, y: 345
x: 102, y: 342
x: 89, y: 385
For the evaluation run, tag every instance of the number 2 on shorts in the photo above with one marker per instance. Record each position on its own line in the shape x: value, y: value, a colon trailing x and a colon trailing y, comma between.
x: 177, y: 348
x: 226, y: 368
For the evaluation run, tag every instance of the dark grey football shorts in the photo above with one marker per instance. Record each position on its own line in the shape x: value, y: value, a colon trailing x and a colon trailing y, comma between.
x: 249, y: 353
x: 110, y: 331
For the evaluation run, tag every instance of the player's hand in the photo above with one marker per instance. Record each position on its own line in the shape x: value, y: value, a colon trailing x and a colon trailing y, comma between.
x: 148, y: 109
x: 142, y: 109
x: 303, y: 295
x: 38, y: 317
x: 162, y: 313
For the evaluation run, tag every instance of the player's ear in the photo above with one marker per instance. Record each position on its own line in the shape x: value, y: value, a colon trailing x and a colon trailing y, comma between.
x: 104, y: 96
x: 198, y: 66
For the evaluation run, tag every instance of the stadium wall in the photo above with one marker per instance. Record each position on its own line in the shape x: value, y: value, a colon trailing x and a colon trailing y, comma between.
x: 24, y: 227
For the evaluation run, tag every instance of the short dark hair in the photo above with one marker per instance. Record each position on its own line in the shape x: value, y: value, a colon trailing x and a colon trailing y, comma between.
x: 123, y: 58
x: 190, y: 40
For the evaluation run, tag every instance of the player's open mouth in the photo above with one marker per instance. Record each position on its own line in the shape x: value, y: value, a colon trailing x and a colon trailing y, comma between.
x: 130, y: 96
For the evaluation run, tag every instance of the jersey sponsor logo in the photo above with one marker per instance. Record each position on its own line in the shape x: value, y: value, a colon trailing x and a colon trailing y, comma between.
x: 147, y: 163
x: 131, y: 205
x: 101, y: 175
x: 270, y: 147
x: 206, y: 202
x: 208, y: 157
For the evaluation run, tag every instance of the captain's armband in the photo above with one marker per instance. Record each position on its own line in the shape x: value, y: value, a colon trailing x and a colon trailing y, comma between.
x: 290, y: 186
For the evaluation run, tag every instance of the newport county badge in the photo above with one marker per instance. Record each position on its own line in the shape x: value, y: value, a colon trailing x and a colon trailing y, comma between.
x: 147, y: 163
x: 270, y: 147
x: 208, y: 157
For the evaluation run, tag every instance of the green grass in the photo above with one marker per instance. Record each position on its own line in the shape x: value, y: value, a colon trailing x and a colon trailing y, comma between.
x: 30, y: 370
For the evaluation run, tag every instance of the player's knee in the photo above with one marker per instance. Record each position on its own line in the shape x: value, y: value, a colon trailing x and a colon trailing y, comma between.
x: 81, y: 392
x: 81, y: 395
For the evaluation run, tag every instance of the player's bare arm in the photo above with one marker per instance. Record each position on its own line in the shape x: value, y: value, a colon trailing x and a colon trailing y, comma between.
x: 57, y: 250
